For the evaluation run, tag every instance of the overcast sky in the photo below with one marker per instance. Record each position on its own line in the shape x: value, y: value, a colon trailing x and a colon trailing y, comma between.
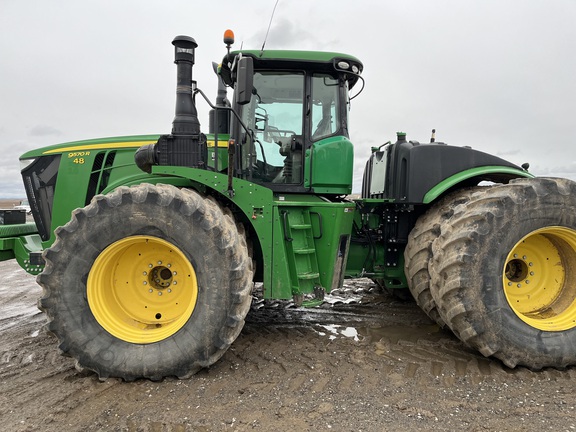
x: 497, y: 75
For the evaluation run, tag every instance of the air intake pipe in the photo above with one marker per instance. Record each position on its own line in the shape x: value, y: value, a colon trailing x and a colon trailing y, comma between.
x: 185, y: 146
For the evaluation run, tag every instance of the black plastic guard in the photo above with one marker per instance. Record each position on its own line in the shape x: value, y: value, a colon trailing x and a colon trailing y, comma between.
x: 412, y: 169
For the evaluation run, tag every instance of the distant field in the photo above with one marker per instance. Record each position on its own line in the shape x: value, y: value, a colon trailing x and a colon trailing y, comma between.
x: 8, y: 203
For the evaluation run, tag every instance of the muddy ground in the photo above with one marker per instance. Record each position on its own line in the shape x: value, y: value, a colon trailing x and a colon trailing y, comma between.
x: 362, y: 362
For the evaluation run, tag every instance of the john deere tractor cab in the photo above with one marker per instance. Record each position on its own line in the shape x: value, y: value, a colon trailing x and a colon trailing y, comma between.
x: 147, y: 247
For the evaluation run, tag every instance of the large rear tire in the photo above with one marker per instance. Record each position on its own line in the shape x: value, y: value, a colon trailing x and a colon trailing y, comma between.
x: 504, y: 273
x: 418, y: 252
x: 147, y: 282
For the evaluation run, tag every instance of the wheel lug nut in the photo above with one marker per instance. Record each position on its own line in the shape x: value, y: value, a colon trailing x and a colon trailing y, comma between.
x: 145, y: 283
x: 144, y: 273
x: 159, y: 293
x: 159, y: 262
x: 150, y: 265
x: 174, y: 283
x: 169, y: 290
x: 150, y: 290
x: 168, y: 265
x: 519, y: 285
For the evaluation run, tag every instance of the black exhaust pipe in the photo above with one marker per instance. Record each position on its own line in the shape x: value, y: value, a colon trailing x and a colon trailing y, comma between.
x: 186, y: 118
x: 219, y: 119
x: 186, y: 146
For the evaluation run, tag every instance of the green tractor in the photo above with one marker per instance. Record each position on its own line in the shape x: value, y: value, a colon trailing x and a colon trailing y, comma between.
x: 147, y: 247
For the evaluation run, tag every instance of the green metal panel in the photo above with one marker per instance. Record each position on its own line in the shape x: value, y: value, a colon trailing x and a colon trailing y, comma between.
x: 332, y: 166
x: 218, y: 154
x: 17, y: 230
x: 360, y: 252
x: 330, y: 223
x: 7, y: 248
x: 71, y: 186
x: 485, y: 171
x: 20, y: 247
x: 75, y: 177
x: 295, y: 238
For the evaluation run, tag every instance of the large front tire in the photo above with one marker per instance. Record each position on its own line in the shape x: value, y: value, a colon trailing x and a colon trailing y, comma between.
x: 504, y: 273
x: 147, y: 282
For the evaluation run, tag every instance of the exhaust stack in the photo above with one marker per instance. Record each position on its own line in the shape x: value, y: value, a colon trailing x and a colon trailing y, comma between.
x: 186, y: 118
x: 186, y: 145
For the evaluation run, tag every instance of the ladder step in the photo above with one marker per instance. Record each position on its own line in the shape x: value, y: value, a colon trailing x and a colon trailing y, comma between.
x: 308, y: 275
x: 304, y: 251
x: 301, y: 226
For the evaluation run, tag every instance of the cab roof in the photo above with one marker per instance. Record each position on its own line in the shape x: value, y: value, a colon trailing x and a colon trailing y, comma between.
x: 321, y: 61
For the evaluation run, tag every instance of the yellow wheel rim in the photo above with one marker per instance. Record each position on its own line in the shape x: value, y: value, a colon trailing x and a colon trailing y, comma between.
x: 539, y: 279
x: 142, y: 289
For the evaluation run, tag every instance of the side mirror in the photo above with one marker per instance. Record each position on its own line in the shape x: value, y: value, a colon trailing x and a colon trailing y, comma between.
x: 244, y: 80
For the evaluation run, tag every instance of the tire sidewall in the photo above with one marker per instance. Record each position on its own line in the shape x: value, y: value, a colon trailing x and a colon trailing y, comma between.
x: 500, y: 322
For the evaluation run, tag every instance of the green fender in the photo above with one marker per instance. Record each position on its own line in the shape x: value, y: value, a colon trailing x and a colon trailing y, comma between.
x: 485, y: 172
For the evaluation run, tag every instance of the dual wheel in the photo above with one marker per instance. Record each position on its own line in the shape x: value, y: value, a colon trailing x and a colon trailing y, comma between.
x: 497, y: 265
x: 147, y: 282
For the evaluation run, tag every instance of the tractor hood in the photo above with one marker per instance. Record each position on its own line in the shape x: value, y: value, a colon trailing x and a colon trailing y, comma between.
x: 134, y: 141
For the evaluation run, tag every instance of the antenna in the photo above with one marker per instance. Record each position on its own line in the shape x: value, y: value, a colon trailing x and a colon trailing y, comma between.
x: 268, y: 31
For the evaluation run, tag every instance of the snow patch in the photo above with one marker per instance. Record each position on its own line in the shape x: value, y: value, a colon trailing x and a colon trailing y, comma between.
x: 336, y: 330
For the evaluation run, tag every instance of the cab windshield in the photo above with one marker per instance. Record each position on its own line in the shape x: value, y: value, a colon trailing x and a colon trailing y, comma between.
x: 285, y: 122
